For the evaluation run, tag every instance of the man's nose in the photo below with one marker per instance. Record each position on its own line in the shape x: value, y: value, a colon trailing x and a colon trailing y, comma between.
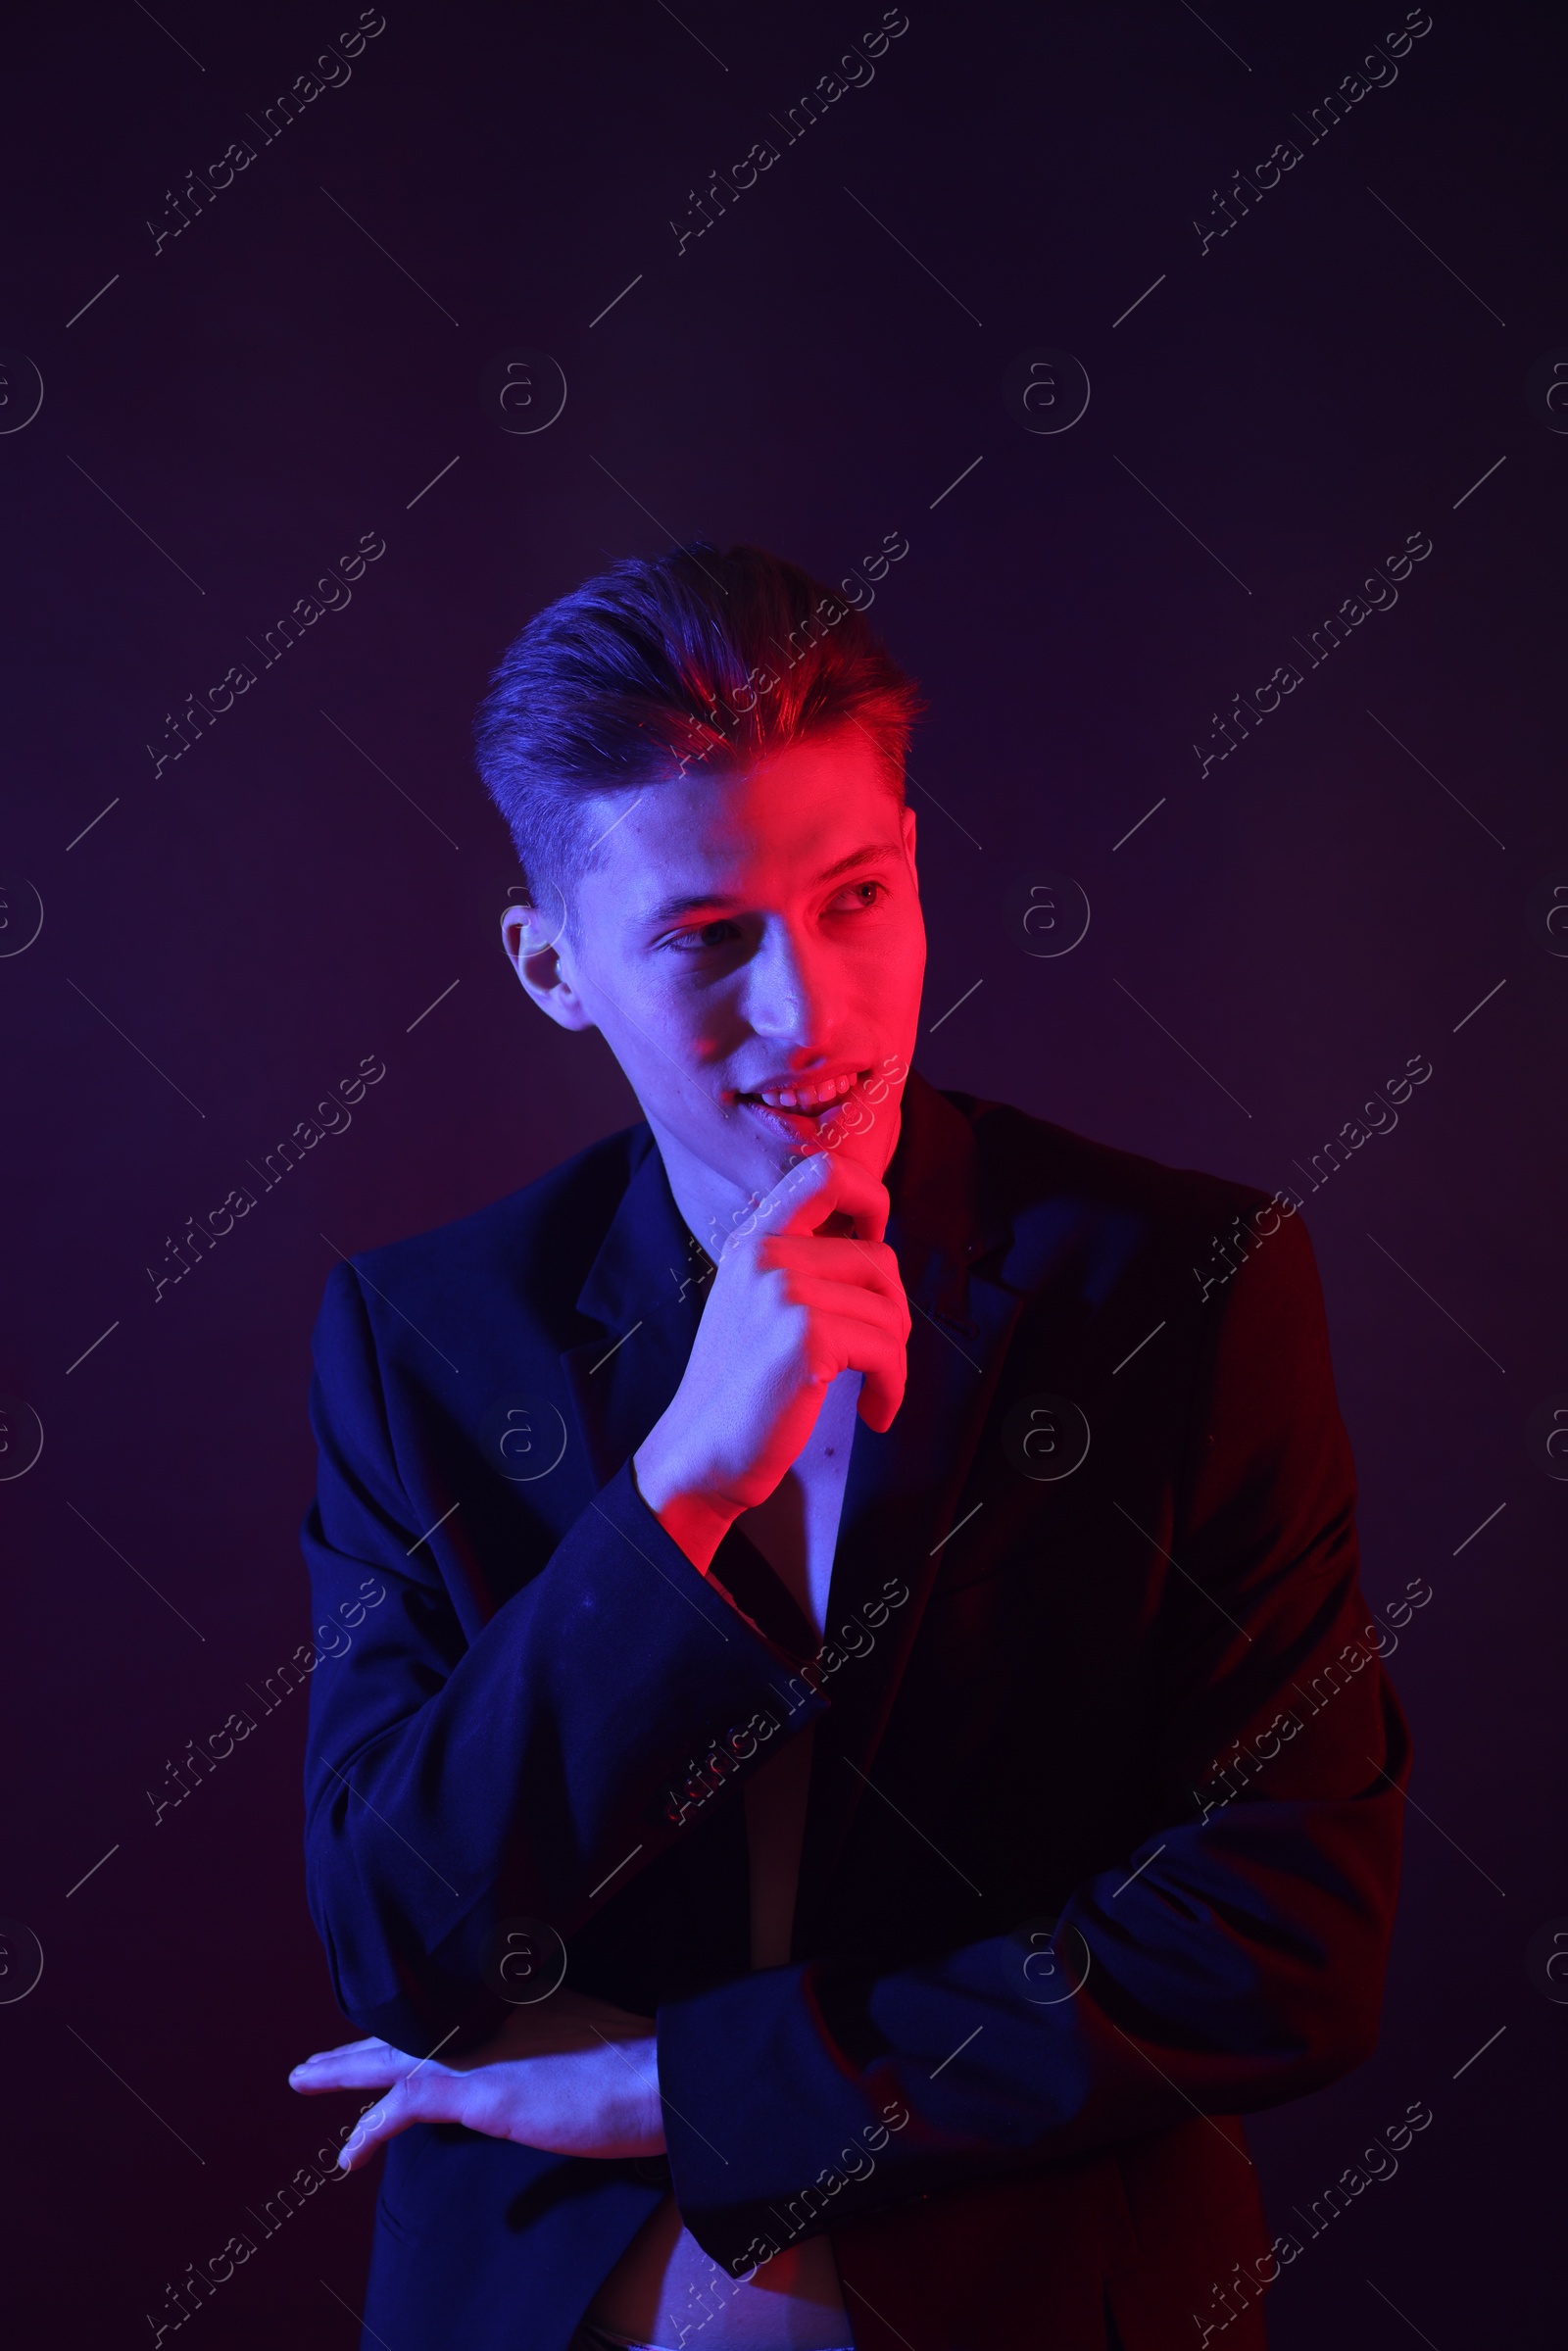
x: 785, y: 991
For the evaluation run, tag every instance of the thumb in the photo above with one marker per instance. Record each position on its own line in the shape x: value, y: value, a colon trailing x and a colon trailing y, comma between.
x: 824, y: 1191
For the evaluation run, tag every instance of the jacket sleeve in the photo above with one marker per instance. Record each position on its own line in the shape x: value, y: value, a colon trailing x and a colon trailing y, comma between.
x: 1233, y: 1959
x: 453, y: 1784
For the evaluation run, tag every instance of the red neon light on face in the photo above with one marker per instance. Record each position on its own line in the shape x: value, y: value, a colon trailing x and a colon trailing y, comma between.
x: 759, y: 936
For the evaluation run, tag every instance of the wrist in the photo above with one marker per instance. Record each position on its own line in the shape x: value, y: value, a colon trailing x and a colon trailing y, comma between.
x: 696, y: 1522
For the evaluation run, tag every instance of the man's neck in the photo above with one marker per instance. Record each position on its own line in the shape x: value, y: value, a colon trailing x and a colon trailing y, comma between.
x: 710, y: 1204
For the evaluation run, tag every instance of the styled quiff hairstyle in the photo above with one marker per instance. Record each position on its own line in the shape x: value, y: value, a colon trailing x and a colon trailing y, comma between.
x: 666, y: 662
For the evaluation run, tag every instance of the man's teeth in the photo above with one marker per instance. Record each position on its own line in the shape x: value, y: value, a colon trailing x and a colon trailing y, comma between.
x: 809, y: 1097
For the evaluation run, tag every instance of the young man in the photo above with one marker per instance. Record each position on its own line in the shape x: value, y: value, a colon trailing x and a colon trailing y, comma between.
x: 872, y: 1754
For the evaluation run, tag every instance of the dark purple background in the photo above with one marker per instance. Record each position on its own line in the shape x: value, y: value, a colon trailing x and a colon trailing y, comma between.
x: 226, y: 942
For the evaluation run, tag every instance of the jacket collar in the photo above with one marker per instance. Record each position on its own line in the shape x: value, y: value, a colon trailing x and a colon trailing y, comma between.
x: 646, y: 1252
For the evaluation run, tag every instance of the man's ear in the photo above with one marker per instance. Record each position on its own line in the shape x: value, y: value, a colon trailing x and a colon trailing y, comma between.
x: 908, y: 821
x: 535, y: 950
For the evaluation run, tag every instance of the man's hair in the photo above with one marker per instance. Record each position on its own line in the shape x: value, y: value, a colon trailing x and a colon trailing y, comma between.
x: 662, y: 665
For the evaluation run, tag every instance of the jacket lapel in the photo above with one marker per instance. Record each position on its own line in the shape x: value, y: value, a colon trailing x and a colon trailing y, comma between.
x: 902, y: 1494
x: 643, y: 1291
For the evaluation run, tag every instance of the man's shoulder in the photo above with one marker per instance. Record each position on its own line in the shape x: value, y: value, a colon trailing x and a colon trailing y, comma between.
x: 1069, y: 1199
x: 536, y: 1243
x: 1029, y: 1158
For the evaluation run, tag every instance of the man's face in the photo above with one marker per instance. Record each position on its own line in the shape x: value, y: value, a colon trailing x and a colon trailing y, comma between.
x: 747, y: 936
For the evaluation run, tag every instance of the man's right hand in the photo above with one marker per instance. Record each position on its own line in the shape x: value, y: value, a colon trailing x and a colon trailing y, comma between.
x: 789, y: 1309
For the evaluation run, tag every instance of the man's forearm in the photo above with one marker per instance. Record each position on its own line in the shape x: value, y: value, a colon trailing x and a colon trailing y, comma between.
x: 533, y: 1781
x: 1240, y: 1967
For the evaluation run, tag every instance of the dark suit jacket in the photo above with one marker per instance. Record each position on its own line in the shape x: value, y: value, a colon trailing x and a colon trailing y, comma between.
x: 1104, y: 1826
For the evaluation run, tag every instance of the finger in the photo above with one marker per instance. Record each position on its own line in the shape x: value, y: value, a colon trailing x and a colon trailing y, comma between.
x: 853, y: 1200
x: 865, y: 1265
x: 851, y: 1302
x: 362, y: 2065
x: 371, y: 2041
x: 798, y: 1200
x: 417, y: 2101
x: 849, y: 1344
x: 490, y: 2100
x: 813, y: 1190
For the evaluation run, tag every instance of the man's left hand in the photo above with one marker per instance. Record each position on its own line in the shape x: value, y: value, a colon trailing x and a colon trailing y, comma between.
x: 573, y: 2076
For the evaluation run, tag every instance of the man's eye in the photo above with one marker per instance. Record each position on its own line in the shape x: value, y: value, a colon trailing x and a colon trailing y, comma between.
x: 706, y: 935
x: 859, y: 896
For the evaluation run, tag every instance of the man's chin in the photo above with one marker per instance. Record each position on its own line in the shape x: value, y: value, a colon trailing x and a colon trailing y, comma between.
x: 851, y: 1130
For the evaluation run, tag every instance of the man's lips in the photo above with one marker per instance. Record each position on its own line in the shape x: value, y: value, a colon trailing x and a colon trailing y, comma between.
x: 804, y: 1097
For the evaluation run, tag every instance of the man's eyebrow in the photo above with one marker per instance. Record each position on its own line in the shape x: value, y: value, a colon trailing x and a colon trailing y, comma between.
x: 877, y: 852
